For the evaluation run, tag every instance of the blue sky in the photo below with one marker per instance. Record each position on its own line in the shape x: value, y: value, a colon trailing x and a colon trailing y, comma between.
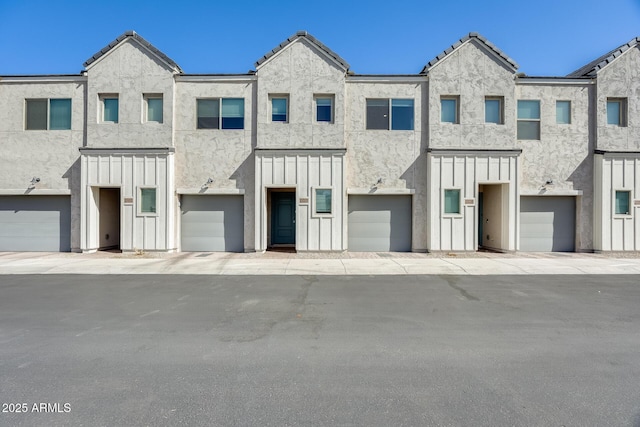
x: 546, y: 37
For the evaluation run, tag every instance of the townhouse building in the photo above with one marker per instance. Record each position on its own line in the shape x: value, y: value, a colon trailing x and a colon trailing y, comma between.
x: 135, y: 154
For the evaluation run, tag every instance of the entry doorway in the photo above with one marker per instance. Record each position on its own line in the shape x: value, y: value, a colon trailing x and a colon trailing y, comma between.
x: 493, y: 216
x: 109, y: 219
x: 282, y: 217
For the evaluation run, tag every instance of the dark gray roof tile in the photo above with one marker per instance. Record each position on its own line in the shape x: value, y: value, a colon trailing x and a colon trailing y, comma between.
x: 140, y: 40
x: 592, y: 68
x: 312, y: 40
x: 473, y: 35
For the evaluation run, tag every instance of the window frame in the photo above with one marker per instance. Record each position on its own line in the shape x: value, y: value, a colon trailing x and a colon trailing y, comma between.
x: 314, y: 196
x: 389, y: 113
x: 444, y: 204
x: 331, y: 99
x: 141, y: 212
x: 529, y: 120
x: 456, y: 100
x: 148, y: 97
x: 500, y: 100
x: 48, y: 112
x: 220, y: 117
x: 103, y: 97
x: 279, y: 96
x: 567, y: 102
x: 622, y: 111
x: 629, y: 203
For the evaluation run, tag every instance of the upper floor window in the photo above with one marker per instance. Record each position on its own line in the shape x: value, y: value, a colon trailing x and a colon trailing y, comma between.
x: 324, y: 108
x: 449, y: 109
x: 109, y: 105
x: 493, y: 109
x: 43, y: 114
x: 563, y: 112
x: 280, y: 108
x: 153, y: 109
x: 220, y: 113
x: 528, y: 119
x: 617, y: 111
x: 401, y: 117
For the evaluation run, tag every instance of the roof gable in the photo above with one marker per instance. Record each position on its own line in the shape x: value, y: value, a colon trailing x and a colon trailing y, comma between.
x: 331, y: 55
x: 592, y: 68
x: 132, y: 35
x: 500, y: 55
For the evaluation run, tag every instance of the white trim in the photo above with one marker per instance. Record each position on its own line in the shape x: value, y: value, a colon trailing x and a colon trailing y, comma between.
x: 209, y: 191
x: 43, y: 79
x: 554, y: 81
x: 210, y: 78
x: 380, y: 191
x: 314, y: 212
x: 34, y: 192
x: 550, y: 192
x: 138, y: 202
x: 386, y: 79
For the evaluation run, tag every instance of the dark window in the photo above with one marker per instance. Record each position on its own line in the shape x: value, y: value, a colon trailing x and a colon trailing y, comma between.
x: 377, y: 114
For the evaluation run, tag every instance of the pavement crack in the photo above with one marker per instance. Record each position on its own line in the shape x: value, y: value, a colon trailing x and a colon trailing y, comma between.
x: 452, y: 280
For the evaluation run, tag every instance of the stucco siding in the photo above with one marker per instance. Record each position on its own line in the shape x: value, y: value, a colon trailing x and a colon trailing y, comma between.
x: 471, y: 73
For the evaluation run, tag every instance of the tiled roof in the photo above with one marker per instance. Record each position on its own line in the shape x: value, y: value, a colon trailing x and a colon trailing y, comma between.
x: 140, y: 40
x: 470, y: 36
x: 310, y: 38
x: 592, y: 68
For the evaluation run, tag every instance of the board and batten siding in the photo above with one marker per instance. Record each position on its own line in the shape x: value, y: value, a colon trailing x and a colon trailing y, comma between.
x: 130, y: 171
x: 466, y: 170
x: 303, y: 170
x: 616, y: 171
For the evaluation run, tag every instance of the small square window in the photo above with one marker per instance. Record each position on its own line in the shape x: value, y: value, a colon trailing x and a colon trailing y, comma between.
x: 324, y: 109
x: 493, y: 111
x: 449, y: 109
x: 154, y: 108
x: 279, y: 109
x: 623, y: 202
x: 109, y: 108
x: 563, y: 112
x: 529, y: 119
x: 452, y: 201
x: 147, y: 200
x: 323, y: 200
x: 616, y: 111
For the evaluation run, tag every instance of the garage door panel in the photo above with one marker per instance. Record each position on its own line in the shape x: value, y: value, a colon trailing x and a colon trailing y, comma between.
x: 379, y: 223
x: 547, y: 224
x: 212, y: 223
x: 35, y: 223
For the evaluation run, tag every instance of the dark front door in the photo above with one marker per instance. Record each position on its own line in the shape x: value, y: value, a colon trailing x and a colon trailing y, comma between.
x: 283, y: 218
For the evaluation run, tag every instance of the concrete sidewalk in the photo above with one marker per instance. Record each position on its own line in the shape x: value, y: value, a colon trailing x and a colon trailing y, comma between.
x: 348, y: 263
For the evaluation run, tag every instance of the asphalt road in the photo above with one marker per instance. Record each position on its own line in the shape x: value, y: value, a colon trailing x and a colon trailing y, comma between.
x: 325, y: 350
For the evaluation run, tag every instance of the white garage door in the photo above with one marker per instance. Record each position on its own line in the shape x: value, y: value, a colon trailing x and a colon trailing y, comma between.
x: 35, y: 223
x: 379, y: 223
x: 212, y: 223
x: 547, y: 224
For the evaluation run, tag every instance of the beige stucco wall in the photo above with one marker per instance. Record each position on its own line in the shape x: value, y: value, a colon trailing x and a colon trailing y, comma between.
x: 395, y: 156
x: 223, y: 155
x: 472, y: 73
x: 564, y: 153
x: 130, y: 71
x: 300, y: 71
x: 51, y: 155
x: 620, y: 79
